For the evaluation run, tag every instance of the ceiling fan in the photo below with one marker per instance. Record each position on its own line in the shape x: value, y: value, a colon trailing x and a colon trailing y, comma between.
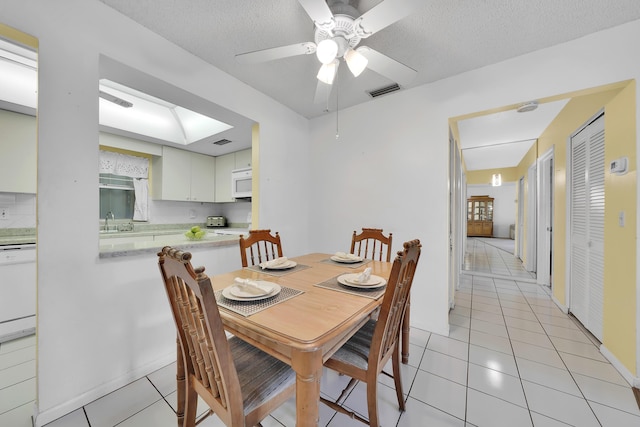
x: 339, y: 28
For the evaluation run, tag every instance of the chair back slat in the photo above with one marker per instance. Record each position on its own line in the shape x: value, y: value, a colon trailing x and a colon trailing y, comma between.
x: 372, y: 243
x: 394, y: 303
x: 260, y: 246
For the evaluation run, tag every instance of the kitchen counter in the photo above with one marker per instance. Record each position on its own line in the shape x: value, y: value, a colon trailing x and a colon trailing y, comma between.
x: 127, y: 245
x: 147, y: 239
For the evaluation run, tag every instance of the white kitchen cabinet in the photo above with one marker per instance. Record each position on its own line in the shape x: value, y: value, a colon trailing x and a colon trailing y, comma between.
x: 18, y: 153
x: 224, y: 165
x: 183, y: 175
x: 243, y: 159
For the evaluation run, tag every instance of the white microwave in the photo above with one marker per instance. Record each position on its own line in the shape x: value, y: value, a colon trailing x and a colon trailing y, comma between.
x: 241, y: 183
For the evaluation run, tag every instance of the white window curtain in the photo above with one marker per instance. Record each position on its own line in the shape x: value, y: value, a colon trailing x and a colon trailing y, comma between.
x: 136, y: 168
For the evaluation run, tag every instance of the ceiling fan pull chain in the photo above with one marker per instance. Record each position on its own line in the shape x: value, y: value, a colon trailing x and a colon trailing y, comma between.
x: 337, y: 108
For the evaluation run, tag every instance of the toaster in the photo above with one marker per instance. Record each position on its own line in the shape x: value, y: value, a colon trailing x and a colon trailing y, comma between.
x: 216, y: 221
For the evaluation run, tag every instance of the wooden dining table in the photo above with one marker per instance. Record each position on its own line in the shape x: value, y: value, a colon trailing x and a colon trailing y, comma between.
x: 306, y: 329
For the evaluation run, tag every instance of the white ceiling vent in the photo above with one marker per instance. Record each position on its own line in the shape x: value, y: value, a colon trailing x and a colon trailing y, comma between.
x: 384, y: 90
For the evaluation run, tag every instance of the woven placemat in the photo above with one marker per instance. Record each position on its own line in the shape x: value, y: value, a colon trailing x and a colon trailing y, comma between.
x: 277, y: 272
x: 345, y: 264
x: 334, y: 285
x: 247, y: 308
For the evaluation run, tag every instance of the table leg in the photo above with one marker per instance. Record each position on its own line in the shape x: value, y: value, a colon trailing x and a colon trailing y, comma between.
x: 308, y: 368
x: 405, y: 333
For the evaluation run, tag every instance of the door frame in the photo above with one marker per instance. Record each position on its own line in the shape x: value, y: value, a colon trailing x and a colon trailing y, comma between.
x: 531, y: 263
x: 544, y: 217
x: 519, y: 248
x: 456, y: 226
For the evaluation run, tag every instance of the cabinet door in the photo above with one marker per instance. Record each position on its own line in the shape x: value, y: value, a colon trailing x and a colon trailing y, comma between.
x: 243, y: 159
x: 203, y: 176
x: 224, y: 165
x: 18, y: 158
x: 172, y: 175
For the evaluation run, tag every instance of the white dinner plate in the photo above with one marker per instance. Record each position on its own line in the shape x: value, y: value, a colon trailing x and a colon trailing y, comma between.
x: 284, y: 266
x: 235, y: 293
x: 346, y: 260
x: 373, y: 282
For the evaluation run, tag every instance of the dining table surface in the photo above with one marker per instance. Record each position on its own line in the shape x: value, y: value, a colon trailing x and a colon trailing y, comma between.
x: 306, y: 327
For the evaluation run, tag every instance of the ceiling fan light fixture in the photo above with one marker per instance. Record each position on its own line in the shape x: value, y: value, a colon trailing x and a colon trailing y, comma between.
x: 356, y: 62
x: 326, y: 51
x: 327, y: 72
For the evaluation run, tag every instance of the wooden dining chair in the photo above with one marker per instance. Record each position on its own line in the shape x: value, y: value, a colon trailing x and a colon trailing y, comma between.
x: 372, y: 243
x: 260, y: 246
x: 240, y: 383
x: 365, y: 354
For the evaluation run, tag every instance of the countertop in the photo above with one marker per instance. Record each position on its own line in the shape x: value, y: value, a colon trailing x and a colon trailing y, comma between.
x: 147, y: 240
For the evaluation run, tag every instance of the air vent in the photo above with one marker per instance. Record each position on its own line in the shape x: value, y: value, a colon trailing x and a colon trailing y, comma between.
x: 222, y: 142
x: 384, y: 90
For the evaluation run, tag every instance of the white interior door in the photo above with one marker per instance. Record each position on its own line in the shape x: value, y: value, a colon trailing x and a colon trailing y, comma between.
x: 455, y: 219
x: 532, y: 237
x: 520, y: 225
x: 545, y: 218
x: 587, y: 205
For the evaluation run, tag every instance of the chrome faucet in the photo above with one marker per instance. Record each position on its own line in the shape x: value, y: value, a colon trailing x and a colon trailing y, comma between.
x: 108, y: 216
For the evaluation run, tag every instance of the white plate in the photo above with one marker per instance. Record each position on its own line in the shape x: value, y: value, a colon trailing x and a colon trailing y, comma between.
x: 283, y: 266
x: 234, y: 292
x: 373, y: 283
x: 346, y: 260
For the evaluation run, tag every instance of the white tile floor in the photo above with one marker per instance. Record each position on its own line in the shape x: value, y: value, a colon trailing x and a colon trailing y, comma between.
x: 512, y: 359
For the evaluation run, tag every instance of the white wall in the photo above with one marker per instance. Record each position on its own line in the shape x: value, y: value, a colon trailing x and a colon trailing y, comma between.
x: 389, y: 169
x: 504, y: 205
x: 94, y: 332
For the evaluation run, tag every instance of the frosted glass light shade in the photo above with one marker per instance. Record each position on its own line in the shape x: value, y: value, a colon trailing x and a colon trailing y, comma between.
x: 496, y: 180
x: 327, y: 72
x: 326, y: 51
x: 356, y: 62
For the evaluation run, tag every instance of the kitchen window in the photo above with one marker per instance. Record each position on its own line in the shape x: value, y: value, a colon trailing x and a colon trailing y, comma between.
x: 116, y: 196
x: 124, y: 186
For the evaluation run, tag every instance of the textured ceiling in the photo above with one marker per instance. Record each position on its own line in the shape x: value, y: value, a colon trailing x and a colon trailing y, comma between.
x: 440, y: 39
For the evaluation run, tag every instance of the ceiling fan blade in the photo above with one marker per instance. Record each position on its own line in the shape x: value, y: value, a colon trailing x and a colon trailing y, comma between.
x: 384, y: 14
x: 323, y: 91
x: 388, y: 67
x: 264, y: 55
x: 319, y: 12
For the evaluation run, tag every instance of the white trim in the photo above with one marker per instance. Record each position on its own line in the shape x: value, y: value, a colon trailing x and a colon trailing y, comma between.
x: 532, y: 218
x: 626, y: 374
x: 545, y: 189
x: 561, y: 306
x: 83, y: 399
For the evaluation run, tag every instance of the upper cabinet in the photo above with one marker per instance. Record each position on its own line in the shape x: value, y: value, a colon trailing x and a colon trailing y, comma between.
x: 183, y: 175
x: 18, y: 153
x: 224, y: 165
x: 242, y: 159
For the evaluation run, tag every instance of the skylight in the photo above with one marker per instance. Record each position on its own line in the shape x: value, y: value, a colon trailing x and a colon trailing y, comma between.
x: 153, y: 117
x: 147, y: 116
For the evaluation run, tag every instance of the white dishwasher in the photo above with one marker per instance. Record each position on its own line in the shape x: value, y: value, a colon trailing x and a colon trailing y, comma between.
x: 17, y: 291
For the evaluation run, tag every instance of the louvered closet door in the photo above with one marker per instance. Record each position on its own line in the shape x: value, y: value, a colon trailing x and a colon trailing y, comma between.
x: 587, y: 225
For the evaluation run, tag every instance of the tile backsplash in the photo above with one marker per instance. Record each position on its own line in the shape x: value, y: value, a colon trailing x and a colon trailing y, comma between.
x: 17, y: 210
x: 20, y: 211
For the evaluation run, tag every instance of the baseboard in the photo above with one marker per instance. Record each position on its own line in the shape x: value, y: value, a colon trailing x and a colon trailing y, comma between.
x: 626, y: 374
x: 561, y: 306
x: 52, y: 414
